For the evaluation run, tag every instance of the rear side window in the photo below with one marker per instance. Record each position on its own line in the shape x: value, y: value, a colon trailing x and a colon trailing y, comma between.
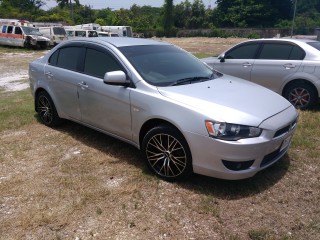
x: 247, y: 51
x: 98, y: 63
x: 67, y: 58
x: 279, y: 51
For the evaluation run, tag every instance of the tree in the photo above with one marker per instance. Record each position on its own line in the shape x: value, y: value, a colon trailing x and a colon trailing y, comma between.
x: 168, y: 18
x: 253, y: 13
x: 27, y: 9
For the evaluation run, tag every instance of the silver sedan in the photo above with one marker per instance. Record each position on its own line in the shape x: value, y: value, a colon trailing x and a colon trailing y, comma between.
x: 290, y: 67
x: 184, y: 117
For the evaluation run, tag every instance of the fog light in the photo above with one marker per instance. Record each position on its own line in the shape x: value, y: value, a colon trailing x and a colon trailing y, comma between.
x: 237, y: 166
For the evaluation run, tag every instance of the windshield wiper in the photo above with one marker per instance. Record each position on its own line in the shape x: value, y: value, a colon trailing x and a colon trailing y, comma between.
x: 190, y: 80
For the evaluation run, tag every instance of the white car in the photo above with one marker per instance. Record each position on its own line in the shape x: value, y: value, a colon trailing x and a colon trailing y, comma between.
x: 290, y: 67
x: 184, y: 116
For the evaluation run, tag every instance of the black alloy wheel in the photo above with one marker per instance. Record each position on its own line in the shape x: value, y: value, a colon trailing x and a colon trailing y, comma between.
x: 46, y: 110
x: 167, y: 153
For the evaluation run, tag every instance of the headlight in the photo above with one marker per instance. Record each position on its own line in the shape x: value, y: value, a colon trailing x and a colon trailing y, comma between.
x: 231, y: 132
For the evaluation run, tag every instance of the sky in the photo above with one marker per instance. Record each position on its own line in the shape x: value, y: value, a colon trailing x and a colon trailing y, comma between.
x: 117, y: 4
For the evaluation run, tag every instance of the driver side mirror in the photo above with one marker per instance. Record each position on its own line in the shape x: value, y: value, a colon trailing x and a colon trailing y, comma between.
x: 116, y: 78
x: 222, y: 58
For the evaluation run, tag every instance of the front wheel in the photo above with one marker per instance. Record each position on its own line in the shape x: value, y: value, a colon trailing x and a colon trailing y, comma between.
x: 46, y: 110
x: 167, y: 153
x: 300, y: 95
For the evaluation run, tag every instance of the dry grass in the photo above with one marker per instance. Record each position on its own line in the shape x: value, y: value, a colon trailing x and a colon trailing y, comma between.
x: 75, y: 183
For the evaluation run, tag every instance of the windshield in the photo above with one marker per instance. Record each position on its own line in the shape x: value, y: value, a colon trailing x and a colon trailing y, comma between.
x: 316, y: 45
x: 31, y: 31
x: 165, y: 65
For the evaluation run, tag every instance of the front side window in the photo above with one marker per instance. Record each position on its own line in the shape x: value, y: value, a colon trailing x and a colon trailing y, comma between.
x: 98, y: 63
x: 17, y: 30
x: 247, y: 51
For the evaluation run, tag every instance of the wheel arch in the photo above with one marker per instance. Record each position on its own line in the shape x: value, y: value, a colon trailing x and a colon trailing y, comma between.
x: 151, y: 123
x: 299, y: 81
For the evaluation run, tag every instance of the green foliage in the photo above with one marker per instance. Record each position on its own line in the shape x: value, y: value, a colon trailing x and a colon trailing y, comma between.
x: 168, y: 19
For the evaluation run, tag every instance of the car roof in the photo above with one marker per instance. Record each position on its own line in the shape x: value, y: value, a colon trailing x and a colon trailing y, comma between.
x: 294, y: 40
x: 119, y: 41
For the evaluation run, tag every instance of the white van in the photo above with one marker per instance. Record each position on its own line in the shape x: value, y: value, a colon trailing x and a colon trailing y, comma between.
x: 55, y: 34
x: 19, y: 33
x: 107, y: 34
x: 74, y: 33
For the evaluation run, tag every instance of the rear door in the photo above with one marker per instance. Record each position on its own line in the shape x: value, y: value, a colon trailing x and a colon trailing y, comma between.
x: 239, y: 60
x: 276, y: 62
x: 63, y: 76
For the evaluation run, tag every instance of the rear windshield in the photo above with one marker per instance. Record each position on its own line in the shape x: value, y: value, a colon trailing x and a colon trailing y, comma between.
x: 59, y: 31
x: 316, y: 45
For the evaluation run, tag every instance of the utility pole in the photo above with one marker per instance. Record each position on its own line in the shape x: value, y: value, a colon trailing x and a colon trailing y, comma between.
x: 294, y: 15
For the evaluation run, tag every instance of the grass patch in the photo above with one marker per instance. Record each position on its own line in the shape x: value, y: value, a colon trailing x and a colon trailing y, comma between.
x: 17, y: 109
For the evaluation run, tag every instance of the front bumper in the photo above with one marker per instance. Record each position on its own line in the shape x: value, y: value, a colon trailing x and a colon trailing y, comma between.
x: 218, y: 158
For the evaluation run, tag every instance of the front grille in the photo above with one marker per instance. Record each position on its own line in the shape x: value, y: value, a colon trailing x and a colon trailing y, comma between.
x: 285, y: 129
x: 271, y: 157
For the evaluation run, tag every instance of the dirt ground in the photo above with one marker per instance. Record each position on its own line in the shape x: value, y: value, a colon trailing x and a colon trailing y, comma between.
x: 75, y: 183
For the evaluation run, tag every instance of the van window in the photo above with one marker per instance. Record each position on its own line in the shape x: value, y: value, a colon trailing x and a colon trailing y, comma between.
x: 80, y: 33
x: 59, y: 31
x: 4, y: 29
x: 98, y: 63
x: 70, y: 33
x: 18, y: 30
x: 10, y: 29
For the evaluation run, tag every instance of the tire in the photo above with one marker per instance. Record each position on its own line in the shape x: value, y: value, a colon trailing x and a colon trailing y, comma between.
x: 46, y: 110
x: 167, y: 153
x: 300, y: 95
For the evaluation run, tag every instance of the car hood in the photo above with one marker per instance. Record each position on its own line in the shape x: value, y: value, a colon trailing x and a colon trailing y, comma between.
x: 229, y: 99
x: 209, y: 59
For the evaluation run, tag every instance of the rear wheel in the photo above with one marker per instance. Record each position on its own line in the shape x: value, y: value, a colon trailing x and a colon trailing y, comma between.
x: 167, y: 153
x: 46, y: 110
x: 300, y: 95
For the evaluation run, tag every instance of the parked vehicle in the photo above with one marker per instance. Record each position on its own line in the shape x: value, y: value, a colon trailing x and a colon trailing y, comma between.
x: 107, y: 34
x: 184, y: 116
x: 290, y: 67
x: 122, y: 31
x: 56, y: 34
x: 74, y: 33
x: 18, y: 33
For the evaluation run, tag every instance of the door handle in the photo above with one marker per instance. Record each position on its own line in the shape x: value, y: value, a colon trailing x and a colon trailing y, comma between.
x: 289, y: 66
x: 49, y: 74
x: 246, y: 64
x: 83, y: 85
